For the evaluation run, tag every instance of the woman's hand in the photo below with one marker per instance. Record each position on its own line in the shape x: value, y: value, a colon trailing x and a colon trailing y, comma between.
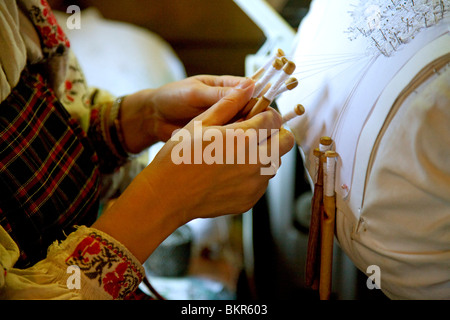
x: 152, y: 115
x: 166, y: 195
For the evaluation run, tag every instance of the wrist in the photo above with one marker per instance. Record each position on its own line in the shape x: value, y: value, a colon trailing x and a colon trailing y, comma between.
x: 139, y: 218
x: 114, y: 130
x: 137, y: 118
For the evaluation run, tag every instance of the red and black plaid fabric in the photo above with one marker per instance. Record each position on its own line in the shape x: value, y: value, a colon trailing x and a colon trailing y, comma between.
x: 49, y: 171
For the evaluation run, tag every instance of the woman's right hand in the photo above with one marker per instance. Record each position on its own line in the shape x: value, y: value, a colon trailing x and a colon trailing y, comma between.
x: 205, y: 190
x: 166, y: 195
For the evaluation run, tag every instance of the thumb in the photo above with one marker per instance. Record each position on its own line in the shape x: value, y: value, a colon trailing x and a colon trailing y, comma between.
x: 229, y: 106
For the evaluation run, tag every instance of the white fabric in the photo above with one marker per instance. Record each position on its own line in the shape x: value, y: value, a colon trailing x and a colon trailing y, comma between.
x: 393, y: 199
x: 13, y: 54
x: 405, y: 220
x: 120, y: 57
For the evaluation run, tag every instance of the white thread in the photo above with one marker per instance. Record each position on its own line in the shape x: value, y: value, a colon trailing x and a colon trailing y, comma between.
x: 330, y: 176
x: 389, y: 25
x: 291, y: 115
x: 268, y: 62
x: 282, y: 90
x: 261, y: 84
x: 271, y: 94
x: 324, y: 148
x: 285, y: 88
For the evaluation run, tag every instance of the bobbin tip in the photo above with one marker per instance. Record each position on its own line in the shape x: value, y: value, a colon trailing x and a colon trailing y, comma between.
x: 326, y: 141
x: 291, y: 83
x: 331, y: 154
x: 278, y: 64
x: 299, y: 109
x: 317, y: 152
x: 285, y: 60
x: 280, y: 53
x: 289, y: 67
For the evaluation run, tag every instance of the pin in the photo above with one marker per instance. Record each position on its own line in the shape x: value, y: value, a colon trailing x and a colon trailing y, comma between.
x: 398, y: 40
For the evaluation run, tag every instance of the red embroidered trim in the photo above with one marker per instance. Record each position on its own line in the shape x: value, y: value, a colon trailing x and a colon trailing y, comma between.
x: 52, y: 35
x: 101, y: 260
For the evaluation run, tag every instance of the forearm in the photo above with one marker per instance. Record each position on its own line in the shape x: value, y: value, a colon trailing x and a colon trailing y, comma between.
x: 140, y: 219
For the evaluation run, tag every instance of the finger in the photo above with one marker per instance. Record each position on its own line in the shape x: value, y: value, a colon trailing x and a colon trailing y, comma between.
x: 229, y: 105
x: 220, y: 81
x: 287, y: 141
x: 284, y: 144
x: 263, y: 123
x: 214, y: 89
x: 271, y: 150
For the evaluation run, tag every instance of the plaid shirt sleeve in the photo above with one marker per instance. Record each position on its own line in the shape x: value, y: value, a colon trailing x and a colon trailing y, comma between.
x: 49, y: 182
x: 52, y: 159
x: 66, y: 78
x: 49, y: 176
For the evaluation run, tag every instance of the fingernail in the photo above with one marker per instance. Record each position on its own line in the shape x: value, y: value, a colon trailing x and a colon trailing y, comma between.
x: 245, y: 84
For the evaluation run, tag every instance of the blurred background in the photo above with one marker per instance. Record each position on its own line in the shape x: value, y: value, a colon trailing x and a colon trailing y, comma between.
x: 209, y: 37
x: 125, y: 46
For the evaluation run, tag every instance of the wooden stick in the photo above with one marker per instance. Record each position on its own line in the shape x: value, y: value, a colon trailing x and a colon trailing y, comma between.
x: 248, y: 107
x: 250, y: 104
x: 327, y: 228
x: 312, y: 255
x: 262, y: 104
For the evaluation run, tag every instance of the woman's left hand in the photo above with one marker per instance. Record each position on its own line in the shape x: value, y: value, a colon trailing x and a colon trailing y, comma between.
x: 152, y: 115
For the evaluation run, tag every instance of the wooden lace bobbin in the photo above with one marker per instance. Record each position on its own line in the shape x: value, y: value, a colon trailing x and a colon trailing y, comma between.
x: 266, y: 100
x: 289, y: 84
x: 299, y: 110
x: 276, y: 66
x: 262, y: 85
x: 313, y: 253
x: 327, y: 226
x: 325, y: 143
x: 278, y: 54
